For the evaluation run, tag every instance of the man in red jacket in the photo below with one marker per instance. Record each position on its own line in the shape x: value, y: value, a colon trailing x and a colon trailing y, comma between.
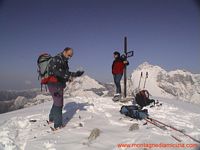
x: 117, y: 71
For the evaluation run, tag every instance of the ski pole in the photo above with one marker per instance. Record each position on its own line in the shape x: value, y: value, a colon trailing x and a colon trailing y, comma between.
x: 145, y: 80
x: 140, y: 80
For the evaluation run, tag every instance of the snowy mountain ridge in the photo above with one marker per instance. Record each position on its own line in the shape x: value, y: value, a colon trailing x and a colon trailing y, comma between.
x: 88, y: 107
x: 178, y: 84
x: 83, y: 86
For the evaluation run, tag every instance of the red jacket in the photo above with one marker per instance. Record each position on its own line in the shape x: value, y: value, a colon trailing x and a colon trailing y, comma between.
x: 118, y: 67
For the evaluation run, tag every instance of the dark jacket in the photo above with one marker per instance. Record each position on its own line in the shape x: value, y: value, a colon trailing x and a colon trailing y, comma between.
x: 59, y: 69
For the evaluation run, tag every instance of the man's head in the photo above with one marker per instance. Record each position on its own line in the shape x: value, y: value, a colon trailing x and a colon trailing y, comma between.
x: 116, y: 54
x: 68, y: 52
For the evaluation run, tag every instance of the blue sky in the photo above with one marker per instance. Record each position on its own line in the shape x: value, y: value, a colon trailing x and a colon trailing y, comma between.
x: 162, y: 32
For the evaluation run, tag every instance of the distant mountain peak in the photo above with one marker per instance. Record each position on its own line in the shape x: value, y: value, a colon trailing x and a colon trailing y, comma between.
x: 179, y: 84
x: 147, y: 67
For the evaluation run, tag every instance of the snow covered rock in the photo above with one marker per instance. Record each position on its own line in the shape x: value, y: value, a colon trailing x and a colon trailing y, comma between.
x: 20, y: 102
x: 94, y: 134
x: 40, y: 98
x: 86, y: 87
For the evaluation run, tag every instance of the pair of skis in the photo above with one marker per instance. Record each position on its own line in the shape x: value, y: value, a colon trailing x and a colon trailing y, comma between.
x: 164, y: 126
x: 141, y: 75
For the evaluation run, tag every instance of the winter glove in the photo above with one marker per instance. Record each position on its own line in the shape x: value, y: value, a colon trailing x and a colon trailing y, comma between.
x: 126, y: 62
x: 79, y: 73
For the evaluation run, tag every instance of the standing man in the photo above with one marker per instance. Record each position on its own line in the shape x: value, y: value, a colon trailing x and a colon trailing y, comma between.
x: 117, y: 71
x: 59, y: 74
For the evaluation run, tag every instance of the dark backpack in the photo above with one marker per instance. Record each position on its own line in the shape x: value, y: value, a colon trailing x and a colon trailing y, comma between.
x: 142, y: 98
x: 134, y: 112
x: 43, y: 68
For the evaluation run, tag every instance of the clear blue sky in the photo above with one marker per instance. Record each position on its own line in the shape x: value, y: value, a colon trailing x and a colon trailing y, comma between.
x: 163, y: 32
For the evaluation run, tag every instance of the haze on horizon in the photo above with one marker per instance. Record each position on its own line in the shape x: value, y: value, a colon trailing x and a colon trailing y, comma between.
x: 162, y: 32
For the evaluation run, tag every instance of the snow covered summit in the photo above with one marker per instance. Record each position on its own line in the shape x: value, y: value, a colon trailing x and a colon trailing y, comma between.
x: 178, y: 84
x: 85, y: 86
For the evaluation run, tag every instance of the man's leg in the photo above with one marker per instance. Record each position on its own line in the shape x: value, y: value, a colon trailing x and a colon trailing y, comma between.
x: 118, y: 85
x: 115, y: 81
x: 57, y: 94
x: 58, y: 117
x: 51, y: 115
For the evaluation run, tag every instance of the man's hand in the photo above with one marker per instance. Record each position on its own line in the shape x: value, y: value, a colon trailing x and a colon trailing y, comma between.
x: 125, y: 62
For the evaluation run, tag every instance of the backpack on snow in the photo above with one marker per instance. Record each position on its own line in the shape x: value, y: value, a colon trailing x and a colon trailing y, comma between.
x: 142, y: 98
x: 134, y: 112
x: 43, y: 68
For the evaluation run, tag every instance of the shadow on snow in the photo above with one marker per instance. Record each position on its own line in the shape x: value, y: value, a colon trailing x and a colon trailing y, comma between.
x: 71, y: 108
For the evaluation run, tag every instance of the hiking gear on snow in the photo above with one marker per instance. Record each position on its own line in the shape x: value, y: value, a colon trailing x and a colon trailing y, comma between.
x: 145, y: 80
x: 155, y: 123
x: 56, y: 116
x: 134, y: 112
x: 181, y: 131
x: 175, y: 129
x: 56, y: 92
x: 43, y: 69
x: 142, y: 98
x: 161, y: 127
x: 117, y: 79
